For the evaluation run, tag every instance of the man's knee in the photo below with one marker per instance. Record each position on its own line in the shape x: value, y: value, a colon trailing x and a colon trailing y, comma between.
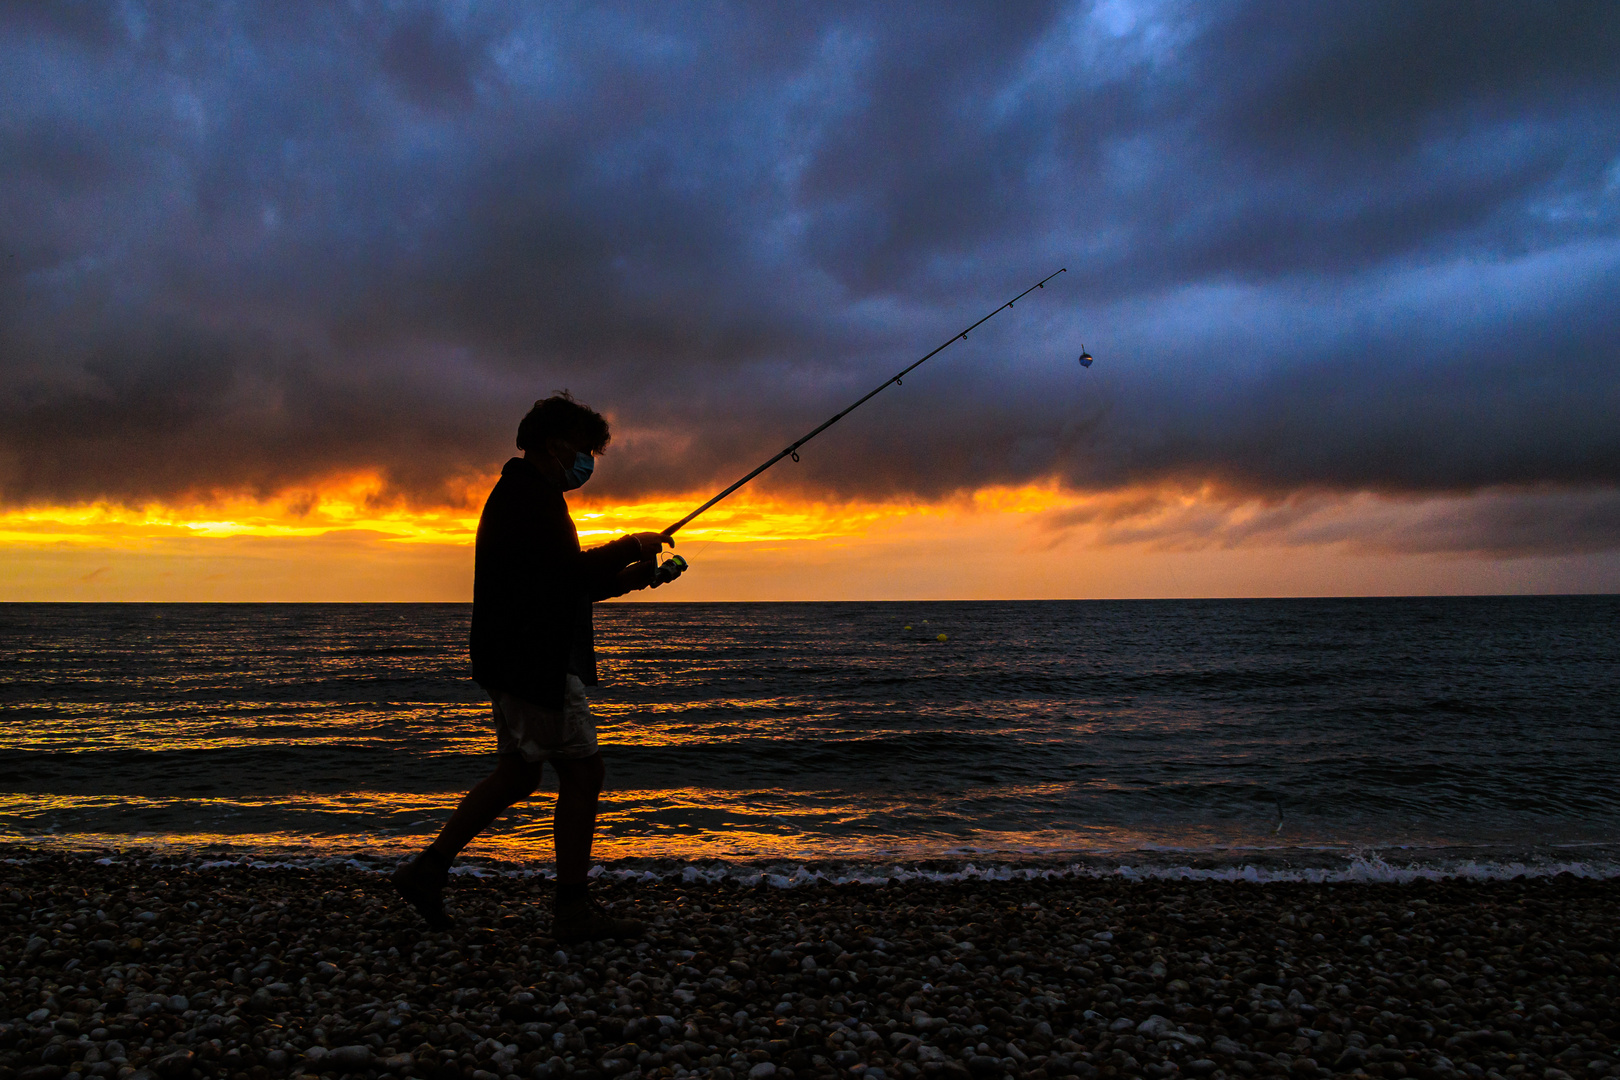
x: 519, y: 777
x: 580, y: 774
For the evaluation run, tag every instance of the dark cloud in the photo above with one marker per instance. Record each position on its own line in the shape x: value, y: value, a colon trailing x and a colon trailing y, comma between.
x: 1366, y: 248
x: 1503, y: 523
x: 1359, y: 79
x: 430, y: 63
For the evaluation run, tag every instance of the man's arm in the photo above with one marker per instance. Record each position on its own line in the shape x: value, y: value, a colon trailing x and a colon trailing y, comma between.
x: 621, y: 565
x: 615, y: 555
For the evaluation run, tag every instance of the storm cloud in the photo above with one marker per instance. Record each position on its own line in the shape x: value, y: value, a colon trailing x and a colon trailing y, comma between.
x: 1353, y: 248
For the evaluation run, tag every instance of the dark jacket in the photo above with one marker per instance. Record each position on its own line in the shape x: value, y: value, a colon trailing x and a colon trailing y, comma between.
x: 533, y: 588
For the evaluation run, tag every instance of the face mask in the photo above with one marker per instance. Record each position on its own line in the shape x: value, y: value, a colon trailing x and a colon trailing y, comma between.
x: 575, y: 474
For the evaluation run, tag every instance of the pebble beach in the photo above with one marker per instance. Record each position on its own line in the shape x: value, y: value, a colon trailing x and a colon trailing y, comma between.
x: 130, y: 968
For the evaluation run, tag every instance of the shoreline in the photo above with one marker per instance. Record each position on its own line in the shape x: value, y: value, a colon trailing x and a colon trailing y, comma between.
x: 1277, y: 865
x: 138, y: 968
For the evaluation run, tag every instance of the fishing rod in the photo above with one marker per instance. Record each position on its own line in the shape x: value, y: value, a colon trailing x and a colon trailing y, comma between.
x: 793, y: 450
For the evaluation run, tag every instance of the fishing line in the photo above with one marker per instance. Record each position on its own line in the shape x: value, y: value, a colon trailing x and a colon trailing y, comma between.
x: 792, y: 450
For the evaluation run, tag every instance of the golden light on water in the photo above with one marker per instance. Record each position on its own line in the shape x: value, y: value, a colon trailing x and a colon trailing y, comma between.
x: 439, y: 729
x: 677, y: 825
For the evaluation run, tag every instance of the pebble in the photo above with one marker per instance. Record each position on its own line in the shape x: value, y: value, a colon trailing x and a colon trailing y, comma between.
x: 256, y: 973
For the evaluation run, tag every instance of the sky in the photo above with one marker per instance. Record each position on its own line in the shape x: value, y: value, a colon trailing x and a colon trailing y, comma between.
x: 277, y: 282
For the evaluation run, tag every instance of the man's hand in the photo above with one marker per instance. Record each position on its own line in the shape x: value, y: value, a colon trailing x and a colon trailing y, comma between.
x: 652, y: 543
x: 638, y: 575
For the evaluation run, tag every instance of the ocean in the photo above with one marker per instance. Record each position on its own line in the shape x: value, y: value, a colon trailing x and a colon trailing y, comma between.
x: 1307, y: 738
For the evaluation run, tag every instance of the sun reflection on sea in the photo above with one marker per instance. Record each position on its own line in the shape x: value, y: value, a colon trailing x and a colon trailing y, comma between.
x: 680, y: 825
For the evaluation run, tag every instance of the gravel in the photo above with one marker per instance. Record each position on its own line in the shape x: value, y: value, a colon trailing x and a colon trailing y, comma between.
x: 137, y: 969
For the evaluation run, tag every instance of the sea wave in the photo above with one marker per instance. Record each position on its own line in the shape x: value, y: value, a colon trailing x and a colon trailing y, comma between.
x: 1363, y: 868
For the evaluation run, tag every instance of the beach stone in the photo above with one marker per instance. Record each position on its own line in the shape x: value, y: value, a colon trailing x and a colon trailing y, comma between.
x: 42, y: 1072
x: 983, y: 1065
x: 1353, y: 1057
x: 762, y: 1071
x: 38, y: 1016
x: 1060, y: 1010
x: 355, y: 1056
x: 175, y: 1065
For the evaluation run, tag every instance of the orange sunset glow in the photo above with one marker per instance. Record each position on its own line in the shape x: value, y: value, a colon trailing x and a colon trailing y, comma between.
x: 347, y: 540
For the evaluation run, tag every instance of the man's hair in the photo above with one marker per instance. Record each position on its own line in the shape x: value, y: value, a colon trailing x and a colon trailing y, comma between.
x: 561, y: 417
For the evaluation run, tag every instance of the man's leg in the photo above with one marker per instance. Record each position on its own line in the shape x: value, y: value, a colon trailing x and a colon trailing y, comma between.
x: 422, y: 881
x: 512, y: 781
x: 579, y: 783
x: 578, y: 918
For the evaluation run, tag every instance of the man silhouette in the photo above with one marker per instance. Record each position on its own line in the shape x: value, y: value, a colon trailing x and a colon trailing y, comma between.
x: 533, y: 652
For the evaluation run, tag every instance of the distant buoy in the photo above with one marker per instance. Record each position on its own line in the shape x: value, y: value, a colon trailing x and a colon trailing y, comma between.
x: 908, y: 628
x: 940, y: 638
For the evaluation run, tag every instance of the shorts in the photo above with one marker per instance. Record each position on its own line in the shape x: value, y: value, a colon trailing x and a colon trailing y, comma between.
x: 539, y: 733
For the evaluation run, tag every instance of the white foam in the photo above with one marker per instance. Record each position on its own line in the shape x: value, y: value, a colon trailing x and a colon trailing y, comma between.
x: 1368, y: 867
x: 1386, y: 865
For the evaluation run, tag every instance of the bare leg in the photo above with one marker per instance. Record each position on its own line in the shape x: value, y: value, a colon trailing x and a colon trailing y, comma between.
x: 577, y: 916
x: 512, y: 781
x: 421, y: 881
x: 579, y: 782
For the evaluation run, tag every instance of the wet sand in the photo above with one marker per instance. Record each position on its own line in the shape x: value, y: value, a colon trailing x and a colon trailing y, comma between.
x: 137, y: 969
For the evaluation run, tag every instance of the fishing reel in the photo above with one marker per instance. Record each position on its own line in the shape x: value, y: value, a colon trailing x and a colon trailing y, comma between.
x: 668, y: 570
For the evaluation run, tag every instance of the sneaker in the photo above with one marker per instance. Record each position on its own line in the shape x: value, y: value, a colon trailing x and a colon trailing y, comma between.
x: 421, y: 881
x: 588, y: 920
